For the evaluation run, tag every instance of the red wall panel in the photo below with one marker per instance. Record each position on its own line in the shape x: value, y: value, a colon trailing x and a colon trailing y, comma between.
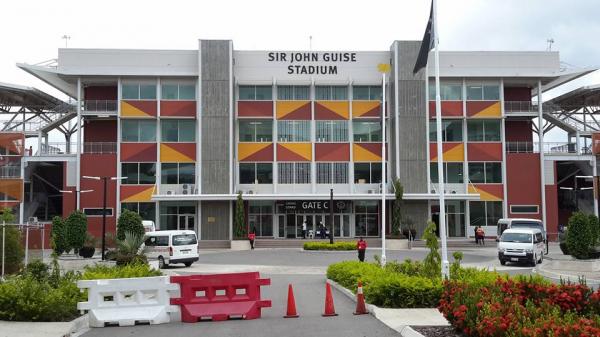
x: 484, y: 151
x: 523, y: 180
x: 517, y: 94
x: 518, y: 131
x: 138, y: 152
x: 332, y: 152
x: 101, y: 92
x: 90, y: 167
x: 255, y: 109
x: 98, y: 130
x: 178, y: 109
x: 552, y: 209
x: 449, y: 108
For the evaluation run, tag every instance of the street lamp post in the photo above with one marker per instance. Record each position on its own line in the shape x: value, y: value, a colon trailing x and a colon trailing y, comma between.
x: 104, y: 180
x: 332, y: 224
x: 77, y: 193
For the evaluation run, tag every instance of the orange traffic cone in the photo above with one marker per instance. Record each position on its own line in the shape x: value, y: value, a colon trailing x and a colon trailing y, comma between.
x: 329, y: 309
x: 361, y: 308
x: 291, y: 304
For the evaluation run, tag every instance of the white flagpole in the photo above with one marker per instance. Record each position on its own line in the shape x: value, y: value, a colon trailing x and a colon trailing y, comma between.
x: 383, y: 176
x: 440, y: 152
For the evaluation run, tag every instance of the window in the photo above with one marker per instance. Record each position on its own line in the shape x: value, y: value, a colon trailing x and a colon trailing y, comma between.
x: 178, y: 173
x: 367, y: 93
x: 160, y: 241
x: 483, y: 130
x: 255, y: 93
x: 256, y: 173
x: 138, y: 91
x: 453, y: 173
x: 449, y: 92
x: 260, y: 217
x: 485, y: 92
x: 177, y: 215
x: 178, y: 91
x: 293, y: 131
x: 138, y: 173
x: 485, y: 173
x: 294, y: 173
x: 133, y: 130
x: 366, y: 221
x: 367, y: 173
x: 365, y: 131
x: 524, y: 209
x: 184, y: 240
x: 95, y: 212
x: 293, y: 92
x: 331, y: 93
x: 332, y: 131
x: 255, y: 130
x: 178, y: 130
x: 332, y: 173
x: 485, y: 213
x: 452, y: 131
x: 147, y: 210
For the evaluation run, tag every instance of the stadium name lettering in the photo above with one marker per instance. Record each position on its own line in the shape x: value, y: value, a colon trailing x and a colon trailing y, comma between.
x: 297, y: 62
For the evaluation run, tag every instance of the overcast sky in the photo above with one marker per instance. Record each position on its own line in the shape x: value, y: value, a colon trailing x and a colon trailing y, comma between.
x: 31, y: 30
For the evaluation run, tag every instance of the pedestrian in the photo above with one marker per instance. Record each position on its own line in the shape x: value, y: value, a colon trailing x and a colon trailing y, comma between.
x: 476, y: 237
x: 480, y: 235
x: 304, y: 229
x: 321, y: 230
x: 251, y: 237
x: 361, y: 246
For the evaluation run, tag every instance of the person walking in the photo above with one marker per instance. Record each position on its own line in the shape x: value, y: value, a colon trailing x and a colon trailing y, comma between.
x: 361, y: 246
x: 321, y: 230
x: 304, y: 229
x: 251, y: 237
x: 480, y: 235
x: 476, y: 237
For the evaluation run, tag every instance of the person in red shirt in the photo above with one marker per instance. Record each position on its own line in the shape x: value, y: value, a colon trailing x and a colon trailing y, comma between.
x: 361, y: 245
x: 251, y: 237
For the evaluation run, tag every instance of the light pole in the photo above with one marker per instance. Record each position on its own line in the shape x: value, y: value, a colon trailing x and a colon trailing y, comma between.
x: 332, y: 224
x: 383, y: 69
x: 77, y: 193
x: 104, y: 180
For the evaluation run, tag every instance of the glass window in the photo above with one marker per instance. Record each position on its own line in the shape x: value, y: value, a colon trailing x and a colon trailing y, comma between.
x: 477, y: 213
x: 362, y: 173
x: 293, y: 92
x: 366, y: 218
x: 483, y: 130
x: 332, y: 173
x: 360, y: 92
x: 148, y: 91
x: 474, y: 92
x: 485, y: 92
x: 485, y: 173
x: 251, y: 173
x: 169, y: 173
x: 178, y: 130
x: 475, y: 130
x: 255, y: 130
x: 138, y: 173
x: 294, y: 173
x: 138, y: 130
x: 453, y: 173
x: 366, y: 131
x: 449, y: 92
x: 293, y: 131
x: 147, y: 130
x: 187, y: 130
x: 493, y: 212
x: 178, y: 173
x: 451, y: 131
x: 247, y: 173
x: 187, y: 92
x: 130, y: 91
x: 477, y: 173
x: 331, y: 131
x: 331, y: 93
x: 491, y: 92
x: 129, y: 170
x: 246, y: 92
x: 264, y: 93
x: 147, y: 210
x: 147, y: 173
x: 187, y: 173
x: 264, y: 173
x: 169, y: 91
x: 492, y: 130
x: 168, y: 130
x: 485, y: 213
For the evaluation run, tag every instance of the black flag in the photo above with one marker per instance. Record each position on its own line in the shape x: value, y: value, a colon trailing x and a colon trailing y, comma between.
x: 426, y: 44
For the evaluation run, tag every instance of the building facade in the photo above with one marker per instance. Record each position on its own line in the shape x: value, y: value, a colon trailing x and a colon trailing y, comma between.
x: 184, y: 131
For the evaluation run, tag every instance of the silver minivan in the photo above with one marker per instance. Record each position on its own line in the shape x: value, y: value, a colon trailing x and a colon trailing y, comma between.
x: 170, y: 247
x: 521, y: 245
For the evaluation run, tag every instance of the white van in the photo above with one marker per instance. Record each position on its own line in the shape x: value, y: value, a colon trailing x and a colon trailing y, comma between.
x: 504, y: 224
x: 148, y: 226
x: 170, y: 247
x: 521, y: 245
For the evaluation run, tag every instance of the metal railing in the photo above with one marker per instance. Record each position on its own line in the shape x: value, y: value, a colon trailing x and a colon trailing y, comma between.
x: 21, y: 127
x: 548, y: 147
x: 10, y: 171
x: 56, y: 148
x: 100, y: 147
x: 519, y: 106
x: 99, y: 106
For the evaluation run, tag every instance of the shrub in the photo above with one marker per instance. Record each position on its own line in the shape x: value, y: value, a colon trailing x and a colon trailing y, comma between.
x: 14, y: 249
x: 239, y: 227
x: 397, y: 210
x: 432, y: 265
x: 76, y: 230
x: 594, y: 229
x: 37, y: 270
x: 328, y: 246
x: 129, y: 221
x: 58, y: 236
x: 579, y: 236
x: 100, y: 271
x: 129, y: 249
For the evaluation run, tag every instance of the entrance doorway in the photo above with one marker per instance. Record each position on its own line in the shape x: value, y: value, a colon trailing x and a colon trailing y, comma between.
x: 186, y: 222
x: 290, y: 225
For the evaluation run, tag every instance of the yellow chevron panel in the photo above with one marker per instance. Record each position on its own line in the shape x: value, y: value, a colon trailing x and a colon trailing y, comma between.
x: 145, y: 195
x: 245, y: 150
x: 362, y: 154
x: 483, y: 195
x: 456, y: 153
x: 360, y: 108
x: 170, y: 155
x: 341, y: 108
x: 491, y: 111
x: 304, y: 150
x: 282, y: 108
x: 128, y: 110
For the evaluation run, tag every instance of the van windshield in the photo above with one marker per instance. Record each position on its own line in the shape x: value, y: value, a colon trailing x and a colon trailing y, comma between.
x: 527, y: 224
x: 184, y: 240
x: 516, y: 237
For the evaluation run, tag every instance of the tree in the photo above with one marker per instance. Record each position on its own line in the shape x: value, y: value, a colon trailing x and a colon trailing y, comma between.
x: 579, y: 236
x: 129, y: 221
x: 76, y: 230
x: 595, y: 229
x: 432, y: 265
x: 58, y: 236
x: 13, y: 249
x: 239, y: 226
x: 397, y: 212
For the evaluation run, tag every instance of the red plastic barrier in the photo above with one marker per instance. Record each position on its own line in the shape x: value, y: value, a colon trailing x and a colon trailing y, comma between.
x: 220, y: 297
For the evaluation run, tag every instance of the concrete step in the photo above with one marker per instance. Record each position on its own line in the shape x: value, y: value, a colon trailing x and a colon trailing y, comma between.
x: 461, y: 243
x: 298, y: 243
x: 214, y: 244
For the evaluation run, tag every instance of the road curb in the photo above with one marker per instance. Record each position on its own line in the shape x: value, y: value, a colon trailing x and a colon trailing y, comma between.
x: 404, y: 330
x: 560, y: 276
x: 79, y: 326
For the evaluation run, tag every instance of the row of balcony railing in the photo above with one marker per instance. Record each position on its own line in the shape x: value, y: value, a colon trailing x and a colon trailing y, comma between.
x: 548, y: 148
x: 64, y: 148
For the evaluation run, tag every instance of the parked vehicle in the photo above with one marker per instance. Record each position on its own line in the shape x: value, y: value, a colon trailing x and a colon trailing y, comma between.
x: 170, y: 247
x: 148, y: 226
x: 521, y: 245
x: 504, y: 224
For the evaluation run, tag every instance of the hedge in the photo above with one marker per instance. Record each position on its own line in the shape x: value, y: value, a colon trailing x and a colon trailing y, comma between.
x: 100, y: 271
x: 328, y: 246
x: 129, y: 221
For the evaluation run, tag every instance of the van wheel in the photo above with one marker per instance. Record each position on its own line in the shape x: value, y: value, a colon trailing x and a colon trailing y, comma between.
x: 503, y: 262
x: 161, y: 263
x: 541, y: 258
x: 187, y: 264
x: 534, y: 260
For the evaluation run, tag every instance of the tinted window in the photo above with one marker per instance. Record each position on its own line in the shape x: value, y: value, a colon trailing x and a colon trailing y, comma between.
x: 526, y: 224
x: 184, y: 240
x: 516, y: 237
x: 152, y: 241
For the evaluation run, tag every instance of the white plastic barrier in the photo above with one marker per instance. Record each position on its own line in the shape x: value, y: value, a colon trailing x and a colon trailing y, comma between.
x: 128, y: 301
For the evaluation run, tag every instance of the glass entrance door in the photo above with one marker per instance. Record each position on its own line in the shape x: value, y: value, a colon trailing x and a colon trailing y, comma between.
x: 341, y: 223
x: 186, y: 222
x: 290, y: 226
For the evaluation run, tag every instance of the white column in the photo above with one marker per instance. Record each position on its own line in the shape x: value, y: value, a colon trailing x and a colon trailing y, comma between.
x: 199, y: 126
x: 397, y: 113
x: 158, y: 137
x: 595, y: 173
x: 503, y: 139
x: 541, y: 141
x: 275, y: 140
x: 383, y: 171
x: 231, y: 138
x: 118, y: 140
x: 78, y: 164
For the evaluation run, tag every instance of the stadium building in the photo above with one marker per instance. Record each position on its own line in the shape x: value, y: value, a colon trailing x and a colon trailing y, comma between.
x: 183, y: 131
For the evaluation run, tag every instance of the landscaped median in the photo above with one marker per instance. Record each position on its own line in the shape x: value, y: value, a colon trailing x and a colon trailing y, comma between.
x: 342, y: 245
